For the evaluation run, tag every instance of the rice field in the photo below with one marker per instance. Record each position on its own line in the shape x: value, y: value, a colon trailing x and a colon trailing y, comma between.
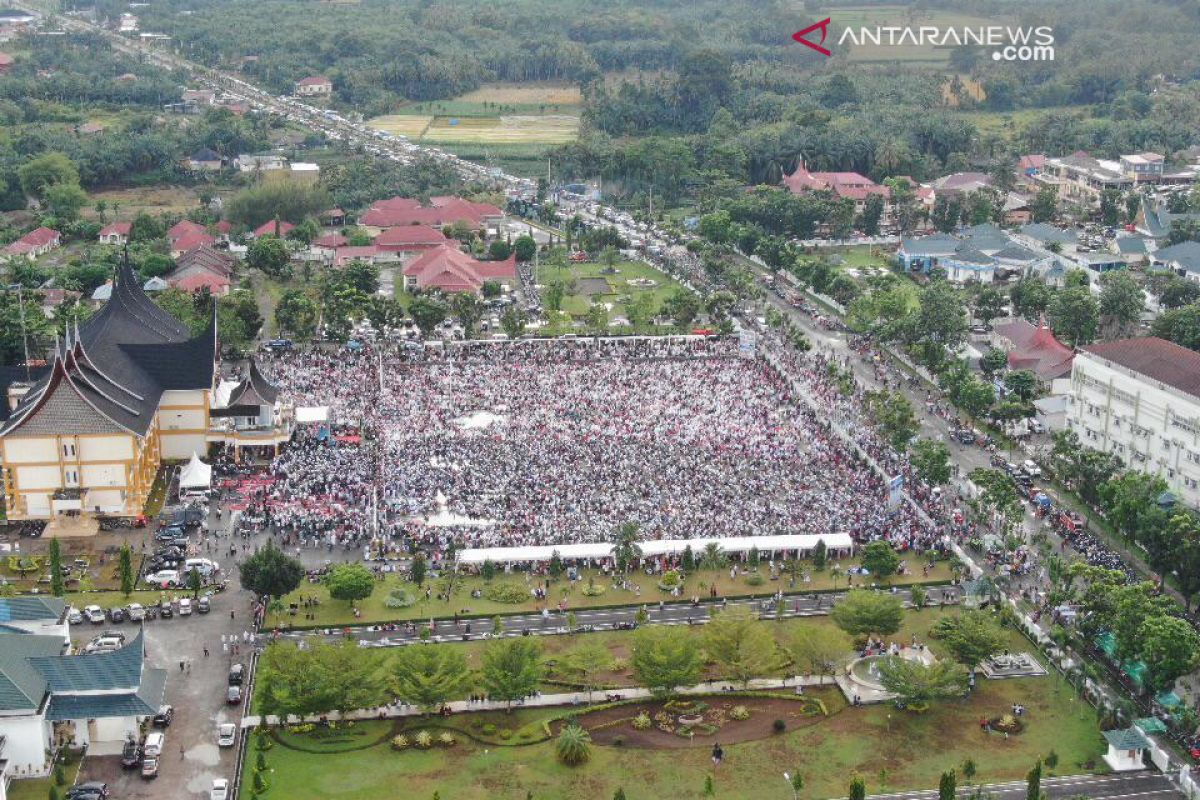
x: 506, y: 129
x: 411, y: 125
x: 559, y: 94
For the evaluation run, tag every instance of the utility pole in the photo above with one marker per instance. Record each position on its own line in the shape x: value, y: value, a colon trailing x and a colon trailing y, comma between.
x: 24, y: 336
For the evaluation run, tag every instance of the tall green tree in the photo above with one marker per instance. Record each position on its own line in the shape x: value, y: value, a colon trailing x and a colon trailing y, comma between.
x: 125, y: 570
x: 740, y: 644
x: 269, y: 255
x: 931, y: 459
x: 880, y: 559
x: 1074, y: 315
x: 428, y: 677
x: 864, y: 613
x: 350, y: 582
x: 586, y: 663
x: 270, y: 572
x: 512, y: 669
x: 973, y: 637
x: 665, y: 659
x: 626, y: 549
x: 1121, y: 301
x: 917, y: 684
x: 57, y: 584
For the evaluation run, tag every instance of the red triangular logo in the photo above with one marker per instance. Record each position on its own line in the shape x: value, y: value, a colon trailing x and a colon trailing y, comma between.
x: 823, y: 25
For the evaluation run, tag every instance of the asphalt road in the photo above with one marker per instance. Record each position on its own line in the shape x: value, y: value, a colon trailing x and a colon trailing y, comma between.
x: 1148, y: 784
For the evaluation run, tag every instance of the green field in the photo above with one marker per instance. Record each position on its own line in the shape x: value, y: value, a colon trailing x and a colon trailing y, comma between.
x: 333, y: 612
x: 892, y: 750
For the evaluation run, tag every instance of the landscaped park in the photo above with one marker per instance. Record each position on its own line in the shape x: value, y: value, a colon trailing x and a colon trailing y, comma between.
x: 661, y: 746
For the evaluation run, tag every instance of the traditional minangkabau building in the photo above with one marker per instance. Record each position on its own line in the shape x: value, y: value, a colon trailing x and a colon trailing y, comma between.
x: 249, y: 414
x: 125, y: 390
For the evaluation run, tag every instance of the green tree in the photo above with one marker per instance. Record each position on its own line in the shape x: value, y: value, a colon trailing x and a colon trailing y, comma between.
x: 499, y: 250
x: 57, y: 585
x: 585, y: 663
x: 525, y: 247
x: 626, y: 550
x: 820, y: 555
x: 511, y: 669
x: 417, y: 571
x: 917, y: 684
x: 947, y: 786
x: 858, y: 789
x: 555, y: 292
x: 573, y: 746
x: 665, y: 659
x: 428, y: 677
x: 988, y: 304
x: 1022, y: 383
x: 125, y: 570
x: 740, y: 644
x: 1121, y: 301
x: 974, y: 397
x: 997, y: 495
x: 1170, y: 649
x: 469, y: 311
x: 270, y: 572
x: 513, y: 321
x: 194, y: 582
x: 1177, y: 292
x: 1030, y: 297
x: 50, y: 169
x: 65, y: 200
x: 1074, y: 315
x: 427, y: 313
x: 269, y: 255
x: 880, y: 559
x: 973, y: 637
x: 931, y: 460
x: 864, y: 613
x: 350, y: 582
x: 1179, y: 325
x: 993, y: 361
x: 940, y: 324
x: 318, y: 679
x: 820, y: 649
x: 1044, y: 204
x: 894, y: 415
x: 1033, y: 782
x: 297, y: 314
x: 682, y: 307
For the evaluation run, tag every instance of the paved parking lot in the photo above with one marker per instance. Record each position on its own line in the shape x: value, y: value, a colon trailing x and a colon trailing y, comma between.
x: 191, y: 758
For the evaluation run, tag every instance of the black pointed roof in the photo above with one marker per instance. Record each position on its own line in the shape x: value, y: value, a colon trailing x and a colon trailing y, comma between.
x: 109, y: 373
x: 254, y: 390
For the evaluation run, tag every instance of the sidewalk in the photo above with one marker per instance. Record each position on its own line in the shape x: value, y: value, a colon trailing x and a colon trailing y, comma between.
x: 548, y: 700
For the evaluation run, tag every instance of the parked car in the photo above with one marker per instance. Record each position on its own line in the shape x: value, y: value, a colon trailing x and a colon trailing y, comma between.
x: 136, y: 612
x: 237, y: 675
x: 103, y: 644
x: 74, y: 616
x: 1031, y: 468
x: 185, y: 607
x: 226, y: 735
x: 150, y: 768
x: 166, y: 577
x: 90, y: 787
x: 116, y: 614
x: 219, y: 790
x: 164, y: 716
x: 131, y: 754
x: 233, y: 696
x: 203, y: 605
x: 154, y: 743
x: 94, y: 614
x: 165, y: 610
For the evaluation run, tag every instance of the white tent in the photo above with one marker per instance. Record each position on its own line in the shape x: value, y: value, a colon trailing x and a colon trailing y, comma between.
x: 835, y: 542
x: 312, y: 413
x: 195, y: 474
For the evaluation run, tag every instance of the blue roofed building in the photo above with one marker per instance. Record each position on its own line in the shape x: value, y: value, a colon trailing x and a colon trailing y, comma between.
x: 50, y: 699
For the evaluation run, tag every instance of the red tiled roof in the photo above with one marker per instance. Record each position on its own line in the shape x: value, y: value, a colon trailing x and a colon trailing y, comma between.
x: 223, y: 226
x: 331, y: 240
x: 196, y: 282
x: 121, y: 228
x: 447, y: 268
x: 402, y: 211
x: 1157, y: 359
x: 844, y: 184
x: 39, y: 237
x: 183, y: 227
x: 190, y: 241
x: 410, y: 236
x: 345, y: 255
x: 314, y: 80
x: 268, y: 228
x: 5, y: 60
x: 1036, y: 349
x: 1031, y: 162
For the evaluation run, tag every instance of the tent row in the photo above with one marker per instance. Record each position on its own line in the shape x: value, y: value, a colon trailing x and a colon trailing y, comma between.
x: 802, y: 544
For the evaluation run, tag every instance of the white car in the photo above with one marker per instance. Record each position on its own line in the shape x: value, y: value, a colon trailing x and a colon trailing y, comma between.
x: 226, y: 735
x: 164, y: 577
x: 94, y: 614
x: 74, y: 616
x: 103, y: 644
x: 219, y: 790
x: 1031, y: 468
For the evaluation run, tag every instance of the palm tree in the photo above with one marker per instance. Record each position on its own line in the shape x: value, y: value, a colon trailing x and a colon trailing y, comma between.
x: 626, y: 549
x: 574, y: 745
x: 712, y: 557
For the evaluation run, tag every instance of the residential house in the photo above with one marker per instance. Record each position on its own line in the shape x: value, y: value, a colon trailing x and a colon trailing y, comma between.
x: 366, y: 253
x: 1183, y: 259
x: 1139, y: 399
x: 1155, y: 220
x: 451, y: 270
x: 189, y: 242
x: 265, y: 162
x: 441, y: 211
x: 115, y: 233
x: 333, y: 218
x: 203, y: 267
x: 1034, y: 348
x: 324, y: 247
x: 1079, y: 178
x: 1017, y: 209
x: 128, y: 23
x: 183, y: 228
x: 36, y: 243
x: 961, y: 183
x: 274, y: 227
x: 204, y: 160
x: 314, y: 86
x: 410, y: 239
x: 126, y: 389
x: 1134, y: 249
x: 53, y: 297
x: 304, y: 172
x: 981, y: 253
x: 845, y: 185
x: 223, y: 229
x: 1143, y: 167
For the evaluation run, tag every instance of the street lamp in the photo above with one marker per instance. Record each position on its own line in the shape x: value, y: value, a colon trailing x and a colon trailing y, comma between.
x: 792, y: 783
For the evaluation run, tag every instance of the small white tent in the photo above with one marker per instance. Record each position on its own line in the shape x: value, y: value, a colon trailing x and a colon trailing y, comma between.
x: 195, y: 475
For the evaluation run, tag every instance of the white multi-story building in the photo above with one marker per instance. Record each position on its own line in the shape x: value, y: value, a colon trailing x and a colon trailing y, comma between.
x: 1140, y: 400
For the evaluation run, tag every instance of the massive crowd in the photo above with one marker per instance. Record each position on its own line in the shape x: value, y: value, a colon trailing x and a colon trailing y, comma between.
x: 547, y: 443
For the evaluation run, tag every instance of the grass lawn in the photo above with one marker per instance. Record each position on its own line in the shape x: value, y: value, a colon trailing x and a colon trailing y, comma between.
x: 618, y: 294
x: 336, y: 612
x: 39, y: 788
x: 892, y: 750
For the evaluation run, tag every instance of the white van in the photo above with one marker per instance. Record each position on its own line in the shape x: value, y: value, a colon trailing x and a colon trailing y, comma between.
x: 204, y: 566
x: 185, y: 607
x: 153, y: 745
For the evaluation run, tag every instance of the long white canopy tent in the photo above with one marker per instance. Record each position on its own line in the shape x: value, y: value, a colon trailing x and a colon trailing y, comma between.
x: 835, y: 544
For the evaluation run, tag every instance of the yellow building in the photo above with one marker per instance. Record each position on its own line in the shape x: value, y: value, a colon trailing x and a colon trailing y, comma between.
x: 126, y: 389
